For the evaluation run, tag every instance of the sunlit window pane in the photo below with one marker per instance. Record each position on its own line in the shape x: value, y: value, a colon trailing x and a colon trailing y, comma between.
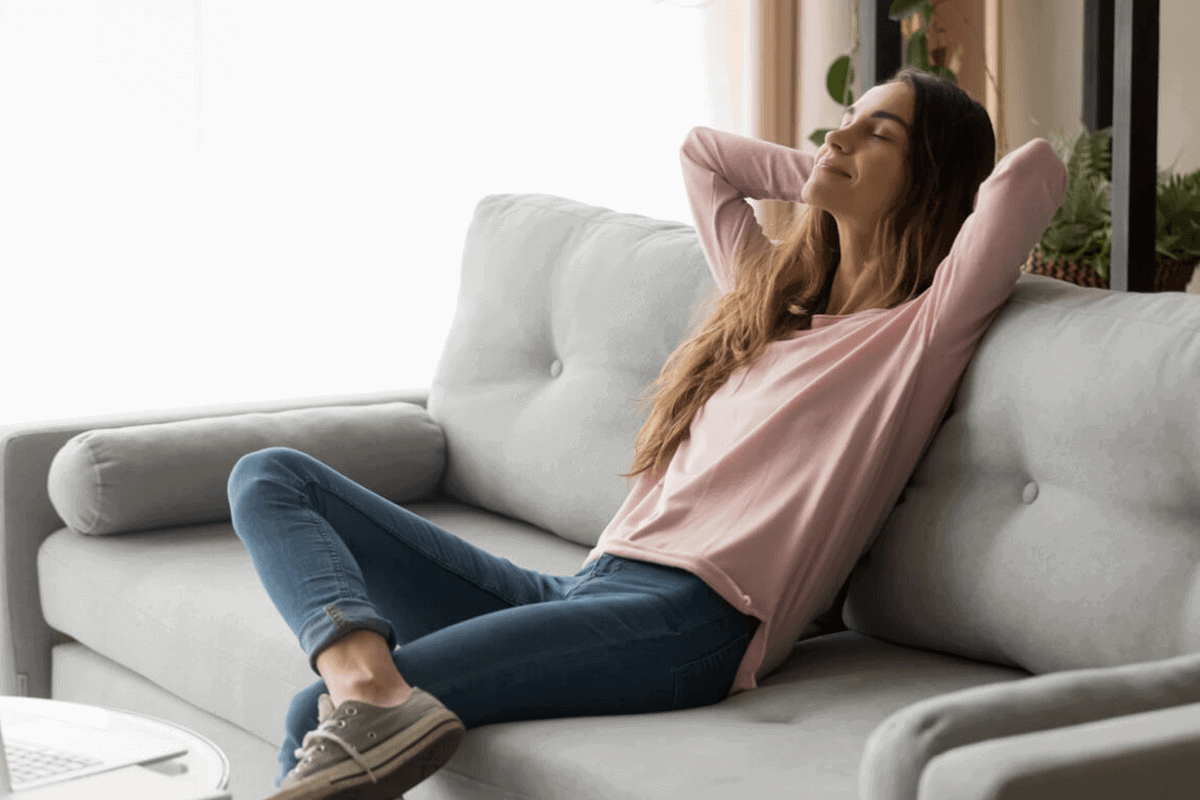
x: 208, y: 202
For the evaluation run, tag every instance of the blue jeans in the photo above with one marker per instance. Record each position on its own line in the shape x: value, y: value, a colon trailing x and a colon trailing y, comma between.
x: 492, y: 641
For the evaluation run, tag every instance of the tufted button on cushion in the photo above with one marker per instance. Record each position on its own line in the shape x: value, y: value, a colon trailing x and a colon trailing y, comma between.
x: 615, y: 293
x: 1094, y: 392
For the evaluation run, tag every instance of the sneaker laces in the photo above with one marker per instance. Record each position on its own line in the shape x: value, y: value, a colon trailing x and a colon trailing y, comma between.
x: 325, y: 731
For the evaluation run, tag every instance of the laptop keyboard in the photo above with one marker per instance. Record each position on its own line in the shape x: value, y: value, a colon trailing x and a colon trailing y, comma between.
x: 33, y: 762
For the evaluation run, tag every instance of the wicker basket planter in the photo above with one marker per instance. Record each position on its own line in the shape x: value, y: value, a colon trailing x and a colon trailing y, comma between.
x: 1171, y: 276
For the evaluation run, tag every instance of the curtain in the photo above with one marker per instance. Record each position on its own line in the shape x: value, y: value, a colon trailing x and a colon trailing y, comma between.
x: 755, y: 60
x: 208, y: 201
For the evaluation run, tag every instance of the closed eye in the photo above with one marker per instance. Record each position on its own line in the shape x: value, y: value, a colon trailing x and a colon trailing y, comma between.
x: 877, y: 136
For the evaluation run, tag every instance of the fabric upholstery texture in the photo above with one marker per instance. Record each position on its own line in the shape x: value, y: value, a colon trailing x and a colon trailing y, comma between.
x: 800, y: 734
x: 901, y: 747
x: 219, y: 644
x: 1052, y: 524
x: 537, y: 386
x: 1046, y: 529
x: 184, y: 607
x: 115, y: 480
x: 27, y: 515
x: 1151, y: 754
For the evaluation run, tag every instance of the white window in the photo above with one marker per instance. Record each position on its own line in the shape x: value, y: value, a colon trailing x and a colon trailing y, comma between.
x: 206, y: 202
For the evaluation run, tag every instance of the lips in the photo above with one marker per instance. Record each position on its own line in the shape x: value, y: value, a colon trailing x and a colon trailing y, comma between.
x: 825, y: 162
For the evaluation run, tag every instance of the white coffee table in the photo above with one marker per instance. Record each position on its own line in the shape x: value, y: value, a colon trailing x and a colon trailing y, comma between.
x: 204, y: 764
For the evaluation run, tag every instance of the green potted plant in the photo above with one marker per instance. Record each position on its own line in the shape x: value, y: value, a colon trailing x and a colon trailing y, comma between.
x: 1077, y: 246
x: 840, y: 77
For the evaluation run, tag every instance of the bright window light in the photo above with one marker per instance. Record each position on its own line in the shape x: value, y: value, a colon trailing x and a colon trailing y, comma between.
x: 209, y: 202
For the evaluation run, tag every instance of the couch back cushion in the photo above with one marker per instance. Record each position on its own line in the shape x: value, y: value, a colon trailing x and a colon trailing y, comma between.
x: 1054, y: 522
x: 566, y: 312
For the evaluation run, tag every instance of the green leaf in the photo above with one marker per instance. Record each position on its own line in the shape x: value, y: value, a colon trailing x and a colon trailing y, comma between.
x: 904, y: 8
x: 818, y: 136
x: 1177, y: 215
x: 1081, y: 229
x: 917, y: 51
x: 839, y: 79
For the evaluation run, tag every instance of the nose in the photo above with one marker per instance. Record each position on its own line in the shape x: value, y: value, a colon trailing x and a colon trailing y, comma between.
x: 833, y: 138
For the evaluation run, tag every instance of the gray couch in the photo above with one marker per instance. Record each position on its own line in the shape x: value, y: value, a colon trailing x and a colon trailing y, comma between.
x: 1025, y: 623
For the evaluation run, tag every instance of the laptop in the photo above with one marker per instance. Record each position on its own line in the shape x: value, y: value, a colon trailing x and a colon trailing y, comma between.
x: 43, y: 757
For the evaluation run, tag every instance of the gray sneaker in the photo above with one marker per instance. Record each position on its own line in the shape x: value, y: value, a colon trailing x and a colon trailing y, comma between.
x: 368, y: 752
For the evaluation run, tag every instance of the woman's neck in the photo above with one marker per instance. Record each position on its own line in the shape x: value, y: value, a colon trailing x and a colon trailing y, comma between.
x: 850, y: 300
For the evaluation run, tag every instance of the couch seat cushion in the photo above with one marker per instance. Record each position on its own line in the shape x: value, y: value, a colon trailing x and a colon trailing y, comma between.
x: 800, y: 734
x: 185, y: 608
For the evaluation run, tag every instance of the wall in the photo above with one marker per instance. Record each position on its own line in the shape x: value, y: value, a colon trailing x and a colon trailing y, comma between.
x: 1043, y: 75
x: 1178, y: 100
x: 825, y: 34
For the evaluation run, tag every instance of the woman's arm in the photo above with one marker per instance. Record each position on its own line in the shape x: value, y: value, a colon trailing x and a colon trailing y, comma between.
x: 1012, y: 210
x: 720, y: 170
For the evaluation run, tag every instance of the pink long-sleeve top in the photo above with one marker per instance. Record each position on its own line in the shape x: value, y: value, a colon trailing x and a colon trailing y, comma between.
x: 792, y: 466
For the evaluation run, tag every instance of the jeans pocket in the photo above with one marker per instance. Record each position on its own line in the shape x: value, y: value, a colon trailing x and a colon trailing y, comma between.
x: 705, y: 680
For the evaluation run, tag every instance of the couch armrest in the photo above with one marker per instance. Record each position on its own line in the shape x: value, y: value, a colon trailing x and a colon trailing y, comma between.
x: 27, y: 517
x: 899, y: 749
x: 1152, y: 754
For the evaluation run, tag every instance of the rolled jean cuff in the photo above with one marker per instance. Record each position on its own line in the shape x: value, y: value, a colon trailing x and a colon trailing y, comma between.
x: 335, y: 621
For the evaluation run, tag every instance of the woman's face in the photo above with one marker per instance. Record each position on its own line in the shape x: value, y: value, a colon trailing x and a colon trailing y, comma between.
x: 866, y: 175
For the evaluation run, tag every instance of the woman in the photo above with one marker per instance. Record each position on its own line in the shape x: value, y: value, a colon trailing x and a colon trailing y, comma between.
x: 778, y: 435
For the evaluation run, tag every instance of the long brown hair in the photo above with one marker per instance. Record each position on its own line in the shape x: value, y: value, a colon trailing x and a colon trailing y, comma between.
x: 779, y: 287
